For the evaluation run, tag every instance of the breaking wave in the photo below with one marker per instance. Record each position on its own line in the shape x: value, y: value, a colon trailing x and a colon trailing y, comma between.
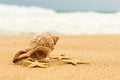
x: 21, y: 19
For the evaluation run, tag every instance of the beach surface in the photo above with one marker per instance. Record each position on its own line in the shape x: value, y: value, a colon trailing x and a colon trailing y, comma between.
x: 101, y: 51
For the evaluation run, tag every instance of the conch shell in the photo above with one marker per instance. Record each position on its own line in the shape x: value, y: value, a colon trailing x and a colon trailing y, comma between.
x: 39, y: 48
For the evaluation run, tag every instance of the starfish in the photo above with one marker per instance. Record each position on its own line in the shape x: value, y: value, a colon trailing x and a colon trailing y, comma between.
x: 36, y: 63
x: 62, y: 56
x: 74, y: 61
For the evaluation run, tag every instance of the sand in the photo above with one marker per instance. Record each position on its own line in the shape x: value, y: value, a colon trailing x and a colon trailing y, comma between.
x: 101, y: 51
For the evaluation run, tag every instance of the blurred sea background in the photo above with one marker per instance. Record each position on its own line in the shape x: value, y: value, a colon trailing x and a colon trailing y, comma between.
x: 16, y: 19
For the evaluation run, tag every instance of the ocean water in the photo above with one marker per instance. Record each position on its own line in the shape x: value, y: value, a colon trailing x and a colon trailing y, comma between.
x: 24, y: 20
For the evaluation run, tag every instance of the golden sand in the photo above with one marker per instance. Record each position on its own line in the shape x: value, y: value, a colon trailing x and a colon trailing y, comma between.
x: 101, y: 51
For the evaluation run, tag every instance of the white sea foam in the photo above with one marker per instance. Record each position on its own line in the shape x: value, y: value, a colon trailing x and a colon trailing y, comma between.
x: 16, y: 20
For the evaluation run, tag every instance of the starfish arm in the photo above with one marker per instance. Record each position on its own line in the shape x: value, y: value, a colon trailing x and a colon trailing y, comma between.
x: 66, y: 58
x: 38, y: 64
x: 71, y: 61
x: 27, y: 61
x: 32, y: 65
x: 68, y: 61
x: 81, y: 62
x: 42, y: 65
x: 74, y: 62
x: 54, y: 57
x: 60, y: 57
